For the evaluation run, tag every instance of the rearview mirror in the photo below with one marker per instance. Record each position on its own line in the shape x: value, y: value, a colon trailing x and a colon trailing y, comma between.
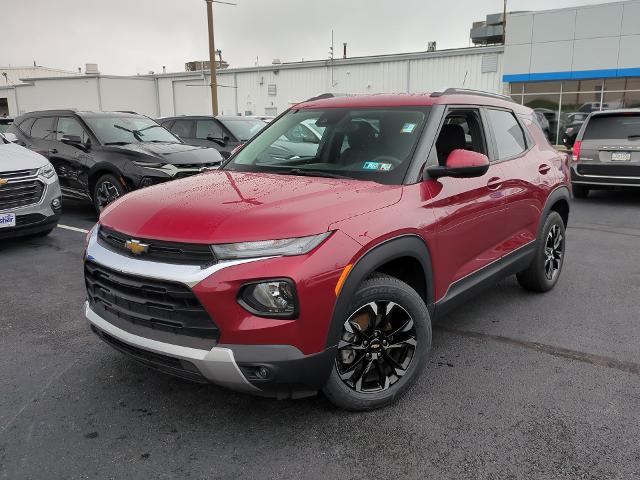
x: 461, y: 164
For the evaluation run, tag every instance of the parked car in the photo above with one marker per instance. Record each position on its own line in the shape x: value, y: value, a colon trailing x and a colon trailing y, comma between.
x: 284, y: 277
x: 572, y: 127
x: 99, y: 156
x: 606, y: 152
x: 29, y: 191
x: 552, y: 122
x: 544, y: 123
x: 224, y: 133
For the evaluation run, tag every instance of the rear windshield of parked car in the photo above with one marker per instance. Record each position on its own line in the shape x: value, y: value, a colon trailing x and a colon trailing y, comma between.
x: 374, y: 144
x: 124, y: 130
x: 608, y: 127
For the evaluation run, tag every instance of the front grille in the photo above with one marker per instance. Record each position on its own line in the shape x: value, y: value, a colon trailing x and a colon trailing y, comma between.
x: 167, y: 252
x: 20, y: 194
x: 617, y: 169
x: 187, y: 170
x: 18, y: 174
x: 173, y: 366
x: 157, y: 304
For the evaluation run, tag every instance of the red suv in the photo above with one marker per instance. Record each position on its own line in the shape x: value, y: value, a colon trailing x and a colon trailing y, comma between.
x: 320, y: 264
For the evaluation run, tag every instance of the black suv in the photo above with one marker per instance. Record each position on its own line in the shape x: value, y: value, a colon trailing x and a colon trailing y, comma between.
x: 224, y: 133
x: 606, y: 152
x: 100, y: 156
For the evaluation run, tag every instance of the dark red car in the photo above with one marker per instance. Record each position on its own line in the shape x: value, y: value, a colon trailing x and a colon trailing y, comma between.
x: 285, y: 273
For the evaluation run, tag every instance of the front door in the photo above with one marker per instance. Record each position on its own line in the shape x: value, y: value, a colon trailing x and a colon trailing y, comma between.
x: 72, y: 163
x: 469, y: 211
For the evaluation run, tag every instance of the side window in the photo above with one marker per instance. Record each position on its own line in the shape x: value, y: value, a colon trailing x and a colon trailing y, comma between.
x: 70, y: 126
x: 208, y: 129
x: 461, y: 130
x: 43, y: 128
x: 510, y: 140
x: 183, y: 128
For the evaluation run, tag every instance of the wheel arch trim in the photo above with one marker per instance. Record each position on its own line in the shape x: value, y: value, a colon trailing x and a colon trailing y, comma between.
x: 409, y: 245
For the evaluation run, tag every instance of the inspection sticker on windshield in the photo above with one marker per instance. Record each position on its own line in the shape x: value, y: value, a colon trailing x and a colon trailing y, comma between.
x: 377, y: 166
x: 408, y: 128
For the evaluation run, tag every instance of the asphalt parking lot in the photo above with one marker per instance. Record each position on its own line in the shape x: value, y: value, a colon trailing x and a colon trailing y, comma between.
x: 519, y: 385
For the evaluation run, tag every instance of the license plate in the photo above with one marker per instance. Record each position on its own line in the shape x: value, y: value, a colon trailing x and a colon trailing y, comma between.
x: 620, y: 157
x: 7, y: 220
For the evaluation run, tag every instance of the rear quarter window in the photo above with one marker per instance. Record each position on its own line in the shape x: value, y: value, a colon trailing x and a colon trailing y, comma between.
x: 603, y: 127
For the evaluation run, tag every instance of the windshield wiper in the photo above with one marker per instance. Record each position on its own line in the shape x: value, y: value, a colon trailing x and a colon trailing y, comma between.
x: 303, y: 172
x: 136, y: 133
x: 633, y: 136
x: 117, y: 143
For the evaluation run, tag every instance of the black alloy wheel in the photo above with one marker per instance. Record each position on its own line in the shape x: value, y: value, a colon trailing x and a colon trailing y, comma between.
x: 106, y: 190
x: 383, y: 346
x: 545, y: 269
x: 377, y: 346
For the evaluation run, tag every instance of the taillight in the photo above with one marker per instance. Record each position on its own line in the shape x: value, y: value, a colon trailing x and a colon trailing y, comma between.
x: 575, y: 150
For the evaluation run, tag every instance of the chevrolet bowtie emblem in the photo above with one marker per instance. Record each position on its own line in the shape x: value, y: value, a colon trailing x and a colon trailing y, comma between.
x: 135, y: 247
x: 3, y: 181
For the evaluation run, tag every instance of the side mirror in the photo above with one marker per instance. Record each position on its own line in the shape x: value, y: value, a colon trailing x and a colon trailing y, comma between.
x: 9, y: 137
x: 461, y: 164
x: 74, y: 140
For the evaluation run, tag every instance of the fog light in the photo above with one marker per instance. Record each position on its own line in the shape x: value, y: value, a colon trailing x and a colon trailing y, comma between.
x: 274, y: 298
x: 56, y: 204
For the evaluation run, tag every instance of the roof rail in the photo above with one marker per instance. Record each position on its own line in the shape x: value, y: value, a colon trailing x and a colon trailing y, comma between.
x: 468, y: 91
x: 320, y: 97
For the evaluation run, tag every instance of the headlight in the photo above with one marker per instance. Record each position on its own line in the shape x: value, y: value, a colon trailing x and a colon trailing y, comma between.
x: 271, y: 298
x: 268, y: 248
x: 47, y: 171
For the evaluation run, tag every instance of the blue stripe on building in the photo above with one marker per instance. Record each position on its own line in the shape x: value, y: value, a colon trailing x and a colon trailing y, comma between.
x: 575, y: 75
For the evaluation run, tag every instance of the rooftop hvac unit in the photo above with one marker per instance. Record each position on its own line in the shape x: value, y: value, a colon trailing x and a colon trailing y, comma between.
x: 431, y: 47
x: 91, y: 69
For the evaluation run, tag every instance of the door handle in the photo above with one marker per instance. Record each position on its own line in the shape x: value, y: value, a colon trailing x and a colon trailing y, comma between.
x: 544, y: 168
x: 53, y: 150
x: 494, y: 183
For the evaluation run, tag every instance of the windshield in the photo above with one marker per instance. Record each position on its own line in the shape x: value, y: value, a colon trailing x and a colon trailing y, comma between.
x: 365, y: 144
x: 244, y: 129
x: 124, y: 130
x: 4, y: 125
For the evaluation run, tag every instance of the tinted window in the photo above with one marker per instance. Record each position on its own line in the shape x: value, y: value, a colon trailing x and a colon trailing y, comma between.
x: 43, y: 128
x: 25, y: 125
x: 182, y: 128
x: 509, y: 135
x: 613, y: 127
x: 208, y: 128
x: 70, y: 126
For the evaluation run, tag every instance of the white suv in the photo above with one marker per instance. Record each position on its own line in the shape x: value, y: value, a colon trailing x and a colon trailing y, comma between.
x: 29, y: 191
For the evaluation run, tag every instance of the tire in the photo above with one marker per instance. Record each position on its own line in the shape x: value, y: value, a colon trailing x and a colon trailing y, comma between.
x: 106, y: 190
x: 393, y: 350
x: 580, y: 191
x: 539, y: 277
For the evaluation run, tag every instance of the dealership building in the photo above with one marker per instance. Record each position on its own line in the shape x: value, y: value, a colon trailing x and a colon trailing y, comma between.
x: 558, y: 61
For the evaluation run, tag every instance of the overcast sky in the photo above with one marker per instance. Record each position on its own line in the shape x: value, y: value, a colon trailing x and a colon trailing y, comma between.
x: 134, y: 36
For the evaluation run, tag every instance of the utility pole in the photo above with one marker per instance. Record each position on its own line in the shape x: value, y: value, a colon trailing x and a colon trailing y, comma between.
x: 504, y: 23
x: 212, y: 60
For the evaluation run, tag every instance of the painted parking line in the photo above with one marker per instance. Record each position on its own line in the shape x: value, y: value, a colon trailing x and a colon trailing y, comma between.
x: 73, y: 229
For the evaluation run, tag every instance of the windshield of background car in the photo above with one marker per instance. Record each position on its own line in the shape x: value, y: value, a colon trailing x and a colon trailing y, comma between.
x: 4, y: 126
x: 244, y: 130
x: 607, y: 127
x: 374, y: 144
x: 123, y: 130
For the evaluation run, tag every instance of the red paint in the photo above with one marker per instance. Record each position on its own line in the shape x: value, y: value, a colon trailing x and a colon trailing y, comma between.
x: 466, y: 223
x: 464, y: 158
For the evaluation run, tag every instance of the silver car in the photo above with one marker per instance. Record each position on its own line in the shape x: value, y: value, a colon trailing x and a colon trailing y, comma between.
x: 29, y: 191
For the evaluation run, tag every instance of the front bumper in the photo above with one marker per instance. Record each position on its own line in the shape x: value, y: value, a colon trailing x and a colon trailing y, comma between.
x: 247, y: 344
x: 38, y: 217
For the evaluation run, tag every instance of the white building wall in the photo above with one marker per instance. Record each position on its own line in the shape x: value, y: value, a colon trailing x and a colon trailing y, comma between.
x: 80, y: 93
x: 136, y: 94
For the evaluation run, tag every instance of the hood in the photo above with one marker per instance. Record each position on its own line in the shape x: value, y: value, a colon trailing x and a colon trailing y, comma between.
x: 15, y: 157
x: 226, y: 207
x: 173, y: 153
